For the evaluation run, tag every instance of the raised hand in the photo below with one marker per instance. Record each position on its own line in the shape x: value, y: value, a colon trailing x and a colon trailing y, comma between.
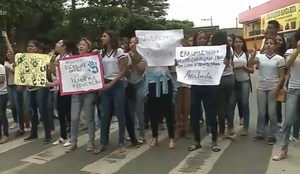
x: 4, y: 34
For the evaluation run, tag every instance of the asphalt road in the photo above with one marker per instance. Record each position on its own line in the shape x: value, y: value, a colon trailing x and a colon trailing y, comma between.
x: 238, y: 156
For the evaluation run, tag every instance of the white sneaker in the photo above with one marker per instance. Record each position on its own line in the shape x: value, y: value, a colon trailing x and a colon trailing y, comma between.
x: 13, y: 126
x: 59, y: 141
x: 27, y: 129
x: 293, y: 139
x: 67, y: 143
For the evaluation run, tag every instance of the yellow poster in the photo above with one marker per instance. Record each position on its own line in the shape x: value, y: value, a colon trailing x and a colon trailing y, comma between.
x: 30, y: 69
x: 288, y: 18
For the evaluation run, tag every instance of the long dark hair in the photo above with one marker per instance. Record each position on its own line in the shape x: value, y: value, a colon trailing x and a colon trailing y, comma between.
x: 220, y: 38
x: 244, y: 47
x: 283, y: 47
x: 114, y: 42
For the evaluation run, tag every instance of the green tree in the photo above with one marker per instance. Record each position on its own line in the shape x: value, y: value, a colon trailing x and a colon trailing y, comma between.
x: 144, y: 8
x: 30, y: 19
x: 93, y: 21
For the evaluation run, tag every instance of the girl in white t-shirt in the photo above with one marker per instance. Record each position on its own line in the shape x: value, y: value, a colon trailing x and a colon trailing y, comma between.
x: 242, y: 85
x: 114, y: 69
x: 270, y: 82
x: 292, y: 102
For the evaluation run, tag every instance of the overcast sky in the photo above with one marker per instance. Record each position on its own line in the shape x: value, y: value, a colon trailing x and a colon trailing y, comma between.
x: 223, y: 12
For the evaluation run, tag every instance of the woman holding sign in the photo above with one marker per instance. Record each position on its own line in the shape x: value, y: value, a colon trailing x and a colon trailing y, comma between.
x: 36, y: 97
x: 114, y: 67
x: 158, y: 90
x: 63, y: 48
x: 208, y: 95
x: 86, y: 102
x: 270, y: 81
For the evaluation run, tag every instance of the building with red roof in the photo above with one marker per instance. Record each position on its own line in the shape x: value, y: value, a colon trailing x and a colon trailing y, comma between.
x: 255, y: 20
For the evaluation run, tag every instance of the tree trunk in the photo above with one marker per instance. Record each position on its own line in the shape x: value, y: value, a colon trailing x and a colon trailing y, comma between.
x: 73, y: 5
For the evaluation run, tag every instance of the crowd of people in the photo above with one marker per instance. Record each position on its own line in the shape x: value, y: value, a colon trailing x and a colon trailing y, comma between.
x: 152, y: 95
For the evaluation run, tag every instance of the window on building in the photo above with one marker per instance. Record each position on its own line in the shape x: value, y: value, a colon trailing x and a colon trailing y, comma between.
x: 252, y: 29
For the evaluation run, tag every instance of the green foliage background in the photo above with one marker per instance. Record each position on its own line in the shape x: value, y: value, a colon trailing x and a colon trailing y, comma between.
x: 51, y: 20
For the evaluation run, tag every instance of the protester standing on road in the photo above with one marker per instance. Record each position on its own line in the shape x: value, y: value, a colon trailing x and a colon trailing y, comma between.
x: 208, y: 95
x: 292, y: 103
x: 114, y: 68
x: 63, y: 48
x: 270, y: 82
x: 136, y: 83
x: 37, y: 101
x: 242, y: 86
x: 225, y: 88
x: 3, y: 105
x: 79, y: 102
x: 15, y: 96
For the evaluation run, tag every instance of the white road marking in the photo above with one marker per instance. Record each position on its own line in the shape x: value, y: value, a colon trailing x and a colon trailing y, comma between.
x: 16, y: 170
x: 210, y: 157
x: 57, y: 151
x: 110, y: 165
x: 289, y: 165
x: 20, y: 142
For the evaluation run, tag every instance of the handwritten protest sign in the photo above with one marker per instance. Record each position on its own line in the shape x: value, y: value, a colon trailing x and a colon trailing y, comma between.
x: 80, y: 74
x: 159, y: 47
x: 201, y: 65
x: 31, y: 69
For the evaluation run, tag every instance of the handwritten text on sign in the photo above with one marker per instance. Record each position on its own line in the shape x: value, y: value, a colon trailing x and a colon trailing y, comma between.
x: 80, y: 74
x: 159, y: 47
x: 202, y: 65
x: 30, y: 69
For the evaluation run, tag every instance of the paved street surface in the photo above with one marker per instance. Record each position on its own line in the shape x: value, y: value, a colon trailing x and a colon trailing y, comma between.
x: 238, y: 156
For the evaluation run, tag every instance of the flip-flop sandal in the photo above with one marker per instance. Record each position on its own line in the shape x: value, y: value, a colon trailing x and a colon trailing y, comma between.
x: 216, y: 148
x: 194, y: 147
x: 121, y: 148
x: 99, y: 149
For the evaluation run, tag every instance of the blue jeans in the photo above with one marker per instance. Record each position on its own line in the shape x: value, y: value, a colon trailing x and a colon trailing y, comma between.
x: 10, y: 90
x: 264, y: 99
x: 292, y: 117
x: 86, y: 102
x: 116, y: 96
x: 18, y: 97
x: 38, y: 100
x: 208, y: 95
x: 241, y: 93
x: 136, y: 106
